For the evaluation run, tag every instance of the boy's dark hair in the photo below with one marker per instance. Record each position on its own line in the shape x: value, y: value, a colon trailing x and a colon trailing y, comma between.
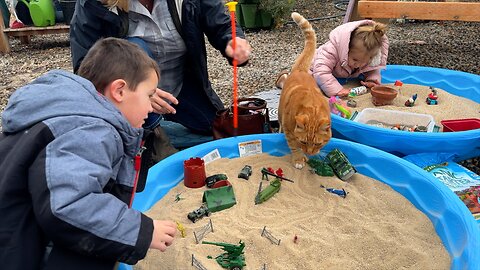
x: 110, y: 59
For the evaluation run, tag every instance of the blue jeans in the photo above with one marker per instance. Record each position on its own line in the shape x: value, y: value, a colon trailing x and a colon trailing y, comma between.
x: 343, y: 81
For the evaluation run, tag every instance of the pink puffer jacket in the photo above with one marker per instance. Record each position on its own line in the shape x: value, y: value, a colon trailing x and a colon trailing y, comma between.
x: 331, y: 59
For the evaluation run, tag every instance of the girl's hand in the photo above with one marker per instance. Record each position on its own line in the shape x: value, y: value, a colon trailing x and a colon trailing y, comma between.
x: 344, y: 92
x: 163, y: 233
x: 370, y: 84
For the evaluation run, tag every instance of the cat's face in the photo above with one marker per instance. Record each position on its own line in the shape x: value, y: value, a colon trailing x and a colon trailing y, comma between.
x: 312, y: 134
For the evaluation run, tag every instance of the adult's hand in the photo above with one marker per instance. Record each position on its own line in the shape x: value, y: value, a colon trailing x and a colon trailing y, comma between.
x: 160, y: 102
x: 242, y: 50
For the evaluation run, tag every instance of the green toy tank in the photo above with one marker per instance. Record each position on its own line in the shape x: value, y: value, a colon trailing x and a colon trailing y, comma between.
x: 233, y: 258
x: 340, y: 164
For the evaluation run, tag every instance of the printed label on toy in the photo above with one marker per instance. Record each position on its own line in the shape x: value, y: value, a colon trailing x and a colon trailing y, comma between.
x: 250, y: 148
x: 213, y: 155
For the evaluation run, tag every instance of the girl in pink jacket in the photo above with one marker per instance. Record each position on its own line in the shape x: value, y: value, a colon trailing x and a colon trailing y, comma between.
x: 354, y: 49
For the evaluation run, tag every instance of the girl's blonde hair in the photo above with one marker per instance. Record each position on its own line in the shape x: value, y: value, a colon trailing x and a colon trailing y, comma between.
x: 370, y: 36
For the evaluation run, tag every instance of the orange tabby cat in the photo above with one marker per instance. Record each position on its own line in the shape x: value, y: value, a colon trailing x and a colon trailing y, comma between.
x: 303, y: 112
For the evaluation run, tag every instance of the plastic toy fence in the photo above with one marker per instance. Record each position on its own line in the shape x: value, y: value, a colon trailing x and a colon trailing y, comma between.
x: 464, y: 143
x: 453, y: 222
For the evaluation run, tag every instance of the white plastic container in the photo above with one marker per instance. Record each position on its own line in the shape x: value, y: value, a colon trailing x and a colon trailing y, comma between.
x: 373, y: 116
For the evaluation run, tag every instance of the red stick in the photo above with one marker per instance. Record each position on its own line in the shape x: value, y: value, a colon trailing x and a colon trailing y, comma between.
x: 235, y: 63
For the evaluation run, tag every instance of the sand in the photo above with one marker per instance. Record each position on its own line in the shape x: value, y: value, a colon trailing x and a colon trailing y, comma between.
x: 449, y: 106
x: 374, y: 227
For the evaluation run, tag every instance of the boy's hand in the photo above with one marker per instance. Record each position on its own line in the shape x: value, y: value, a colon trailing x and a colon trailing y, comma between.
x: 344, y: 92
x: 242, y: 52
x: 160, y: 104
x: 370, y: 84
x: 163, y: 233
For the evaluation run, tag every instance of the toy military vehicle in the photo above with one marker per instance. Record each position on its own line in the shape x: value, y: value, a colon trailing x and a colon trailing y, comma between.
x: 268, y: 192
x: 245, y: 172
x: 233, y: 258
x: 340, y: 164
x: 320, y: 167
x: 211, y: 180
x: 199, y: 213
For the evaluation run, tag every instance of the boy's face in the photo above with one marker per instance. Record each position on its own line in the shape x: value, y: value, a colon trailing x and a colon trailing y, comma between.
x: 136, y: 104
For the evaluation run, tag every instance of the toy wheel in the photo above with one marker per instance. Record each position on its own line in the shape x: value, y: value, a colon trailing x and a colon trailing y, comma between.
x: 208, y: 214
x: 236, y: 268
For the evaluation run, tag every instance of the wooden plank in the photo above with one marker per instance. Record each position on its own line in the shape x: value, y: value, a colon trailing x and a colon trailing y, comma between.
x: 444, y: 11
x: 4, y: 45
x: 32, y: 30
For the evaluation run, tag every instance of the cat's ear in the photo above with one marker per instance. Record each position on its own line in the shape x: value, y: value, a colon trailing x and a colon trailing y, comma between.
x: 326, y: 127
x: 301, y: 120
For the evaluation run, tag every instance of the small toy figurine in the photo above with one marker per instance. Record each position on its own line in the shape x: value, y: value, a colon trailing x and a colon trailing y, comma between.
x: 432, y: 97
x: 339, y: 107
x: 181, y: 229
x: 177, y: 197
x: 266, y: 172
x: 279, y: 172
x: 340, y: 192
x: 398, y: 84
x: 411, y: 101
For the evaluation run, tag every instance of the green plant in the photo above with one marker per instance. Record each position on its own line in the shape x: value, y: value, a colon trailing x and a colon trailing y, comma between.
x: 279, y: 9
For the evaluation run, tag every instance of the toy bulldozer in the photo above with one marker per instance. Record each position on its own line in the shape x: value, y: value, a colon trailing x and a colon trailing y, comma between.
x: 233, y: 258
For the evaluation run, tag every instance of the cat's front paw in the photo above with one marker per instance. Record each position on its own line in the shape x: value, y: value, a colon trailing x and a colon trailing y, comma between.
x: 299, y: 165
x: 299, y: 162
x: 298, y: 159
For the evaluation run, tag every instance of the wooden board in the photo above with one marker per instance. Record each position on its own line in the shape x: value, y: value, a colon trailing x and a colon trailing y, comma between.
x: 26, y: 32
x: 453, y: 11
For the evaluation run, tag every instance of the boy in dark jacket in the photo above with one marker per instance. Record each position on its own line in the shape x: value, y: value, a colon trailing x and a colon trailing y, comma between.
x: 69, y: 149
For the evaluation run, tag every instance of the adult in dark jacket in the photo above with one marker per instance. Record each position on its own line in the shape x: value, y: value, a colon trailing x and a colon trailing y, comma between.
x: 94, y: 20
x: 173, y: 31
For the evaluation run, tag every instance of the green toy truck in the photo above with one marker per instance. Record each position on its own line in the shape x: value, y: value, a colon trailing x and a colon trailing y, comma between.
x: 199, y: 213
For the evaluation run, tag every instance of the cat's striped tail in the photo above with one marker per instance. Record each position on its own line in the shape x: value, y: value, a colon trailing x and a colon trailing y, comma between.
x: 304, y: 60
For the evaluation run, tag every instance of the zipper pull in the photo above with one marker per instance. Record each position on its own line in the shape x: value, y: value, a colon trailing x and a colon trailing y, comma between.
x: 138, y: 158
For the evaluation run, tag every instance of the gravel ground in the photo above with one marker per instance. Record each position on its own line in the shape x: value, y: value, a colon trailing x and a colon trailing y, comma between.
x: 451, y: 45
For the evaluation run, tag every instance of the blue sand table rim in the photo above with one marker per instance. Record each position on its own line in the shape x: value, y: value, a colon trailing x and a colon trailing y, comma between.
x: 466, y: 143
x: 452, y: 221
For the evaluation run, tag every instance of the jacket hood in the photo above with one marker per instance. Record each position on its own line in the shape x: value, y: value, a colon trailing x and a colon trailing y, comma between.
x: 57, y: 94
x: 340, y: 38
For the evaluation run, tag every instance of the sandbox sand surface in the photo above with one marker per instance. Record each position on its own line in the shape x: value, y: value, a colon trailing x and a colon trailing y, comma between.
x: 374, y: 227
x: 449, y: 106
